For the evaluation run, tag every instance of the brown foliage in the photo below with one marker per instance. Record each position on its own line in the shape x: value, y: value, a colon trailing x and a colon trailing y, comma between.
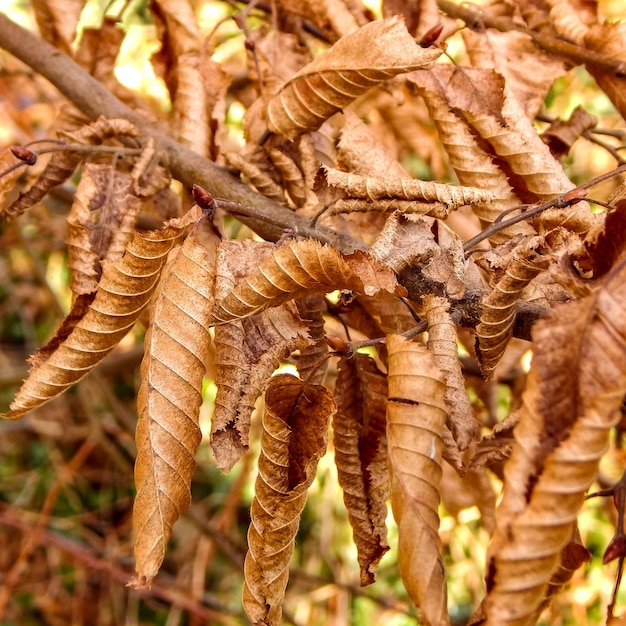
x: 357, y: 254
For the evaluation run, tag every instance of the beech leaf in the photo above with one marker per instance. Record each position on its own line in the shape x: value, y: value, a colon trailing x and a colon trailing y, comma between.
x: 169, y: 400
x: 574, y: 391
x: 416, y: 418
x: 123, y: 292
x: 357, y: 62
x: 301, y: 268
x: 361, y: 456
x: 295, y: 424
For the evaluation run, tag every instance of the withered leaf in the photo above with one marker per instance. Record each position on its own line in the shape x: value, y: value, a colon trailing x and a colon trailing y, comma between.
x: 295, y: 425
x: 416, y: 418
x: 301, y: 268
x: 373, y: 188
x: 123, y: 292
x: 246, y: 354
x: 361, y: 456
x: 357, y: 62
x: 100, y: 223
x: 498, y: 316
x: 574, y: 391
x: 169, y: 400
x: 443, y: 345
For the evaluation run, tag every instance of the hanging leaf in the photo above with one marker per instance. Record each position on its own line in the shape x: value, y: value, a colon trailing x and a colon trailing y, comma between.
x: 301, y: 268
x: 295, y: 425
x: 442, y: 343
x: 62, y: 164
x: 312, y: 362
x: 357, y: 62
x: 100, y: 223
x: 123, y: 292
x: 416, y: 418
x: 361, y: 457
x: 498, y: 316
x: 248, y: 351
x: 574, y: 391
x: 169, y: 400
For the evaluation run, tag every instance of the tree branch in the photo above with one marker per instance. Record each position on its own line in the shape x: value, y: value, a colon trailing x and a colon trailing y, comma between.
x: 474, y: 17
x: 266, y: 217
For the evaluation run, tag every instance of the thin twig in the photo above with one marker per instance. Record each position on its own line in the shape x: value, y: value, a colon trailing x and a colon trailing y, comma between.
x: 562, y: 201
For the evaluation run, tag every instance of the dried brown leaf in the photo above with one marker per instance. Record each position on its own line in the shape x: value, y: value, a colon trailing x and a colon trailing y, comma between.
x: 416, y: 418
x: 295, y: 425
x: 312, y: 361
x: 529, y: 72
x: 169, y: 400
x: 374, y: 188
x: 301, y: 268
x: 62, y: 164
x: 442, y: 342
x: 408, y: 207
x: 498, y: 316
x: 471, y: 163
x: 260, y: 178
x: 575, y: 389
x: 359, y: 61
x: 123, y: 292
x: 561, y: 135
x: 610, y: 40
x: 248, y: 351
x: 361, y: 456
x: 100, y: 223
x: 190, y: 119
x: 57, y: 21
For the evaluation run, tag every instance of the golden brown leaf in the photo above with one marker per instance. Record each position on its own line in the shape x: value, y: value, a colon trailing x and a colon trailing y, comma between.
x: 248, y: 351
x: 498, y: 316
x: 357, y: 62
x: 123, y: 292
x: 169, y: 400
x: 471, y: 163
x: 100, y: 223
x: 312, y: 361
x: 442, y: 343
x: 373, y: 188
x: 62, y: 164
x: 301, y: 268
x: 257, y: 175
x: 575, y: 389
x: 609, y: 40
x: 433, y: 209
x: 57, y: 21
x: 190, y: 115
x: 361, y: 456
x: 416, y: 418
x: 295, y: 425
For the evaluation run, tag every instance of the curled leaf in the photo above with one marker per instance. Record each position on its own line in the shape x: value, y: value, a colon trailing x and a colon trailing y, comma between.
x: 301, y: 268
x: 123, y: 292
x: 361, y: 456
x: 416, y: 418
x: 357, y: 62
x: 498, y: 316
x: 373, y: 188
x: 574, y: 391
x: 295, y: 426
x: 168, y: 402
x: 442, y: 343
